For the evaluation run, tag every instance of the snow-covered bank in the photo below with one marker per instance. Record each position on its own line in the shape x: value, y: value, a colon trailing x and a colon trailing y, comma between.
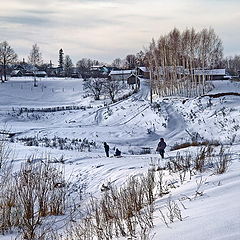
x: 131, y: 125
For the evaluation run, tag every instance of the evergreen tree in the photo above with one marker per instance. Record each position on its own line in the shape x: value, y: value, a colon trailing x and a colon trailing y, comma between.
x: 60, y: 61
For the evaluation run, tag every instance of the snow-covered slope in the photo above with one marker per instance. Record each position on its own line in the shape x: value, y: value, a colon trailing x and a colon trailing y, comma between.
x: 132, y: 125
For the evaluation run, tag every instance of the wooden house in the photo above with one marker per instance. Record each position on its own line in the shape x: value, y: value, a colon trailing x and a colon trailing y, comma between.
x: 119, y: 75
x: 143, y: 72
x: 133, y: 79
x: 16, y: 73
x: 40, y: 74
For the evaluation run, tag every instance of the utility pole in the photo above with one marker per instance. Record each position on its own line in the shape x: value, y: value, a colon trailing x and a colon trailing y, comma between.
x: 151, y: 99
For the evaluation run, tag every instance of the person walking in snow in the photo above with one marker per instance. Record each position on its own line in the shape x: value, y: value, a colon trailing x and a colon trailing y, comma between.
x: 161, y: 146
x: 106, y: 147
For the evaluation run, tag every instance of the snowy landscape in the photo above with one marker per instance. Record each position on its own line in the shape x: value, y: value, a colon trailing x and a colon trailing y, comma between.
x: 119, y: 120
x: 193, y: 193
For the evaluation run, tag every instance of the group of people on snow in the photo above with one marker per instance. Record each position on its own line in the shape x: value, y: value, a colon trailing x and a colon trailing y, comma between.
x: 160, y: 148
x: 106, y: 148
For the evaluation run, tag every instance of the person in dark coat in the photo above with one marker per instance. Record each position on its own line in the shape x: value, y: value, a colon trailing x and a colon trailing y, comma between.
x: 161, y: 146
x: 106, y: 147
x: 117, y: 153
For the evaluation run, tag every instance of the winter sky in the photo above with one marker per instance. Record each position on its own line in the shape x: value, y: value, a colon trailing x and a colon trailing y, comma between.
x: 108, y: 29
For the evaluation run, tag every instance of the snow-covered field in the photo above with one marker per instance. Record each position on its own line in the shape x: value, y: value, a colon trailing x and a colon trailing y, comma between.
x: 132, y: 125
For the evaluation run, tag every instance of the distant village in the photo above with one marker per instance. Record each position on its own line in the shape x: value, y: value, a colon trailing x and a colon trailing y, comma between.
x: 174, y: 64
x: 24, y: 69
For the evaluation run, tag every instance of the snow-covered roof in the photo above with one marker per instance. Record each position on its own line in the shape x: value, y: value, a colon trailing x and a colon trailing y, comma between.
x: 210, y: 72
x: 40, y: 72
x: 26, y: 67
x: 144, y: 69
x: 14, y: 72
x: 97, y: 66
x: 121, y: 72
x: 133, y: 75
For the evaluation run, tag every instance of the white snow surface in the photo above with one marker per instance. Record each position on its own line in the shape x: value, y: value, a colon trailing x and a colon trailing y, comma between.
x: 131, y: 125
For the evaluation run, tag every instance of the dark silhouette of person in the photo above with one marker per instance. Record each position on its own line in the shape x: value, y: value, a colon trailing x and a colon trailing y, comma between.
x: 117, y: 153
x: 106, y: 147
x: 161, y: 146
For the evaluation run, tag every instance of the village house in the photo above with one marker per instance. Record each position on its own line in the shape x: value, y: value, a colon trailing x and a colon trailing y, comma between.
x: 23, y: 69
x: 99, y: 68
x: 143, y: 72
x: 133, y: 79
x: 40, y: 74
x: 210, y: 74
x: 118, y: 75
x: 181, y: 72
x: 102, y: 69
x: 16, y: 73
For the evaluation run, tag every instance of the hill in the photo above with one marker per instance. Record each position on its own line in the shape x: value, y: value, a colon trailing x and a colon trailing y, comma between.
x: 59, y: 119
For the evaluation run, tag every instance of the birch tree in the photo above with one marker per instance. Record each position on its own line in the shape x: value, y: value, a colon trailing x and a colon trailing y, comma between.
x: 174, y: 57
x: 35, y: 58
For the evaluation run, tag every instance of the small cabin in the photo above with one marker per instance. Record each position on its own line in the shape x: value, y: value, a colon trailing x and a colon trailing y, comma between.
x: 40, y: 74
x: 133, y: 79
x: 16, y: 73
x: 143, y: 72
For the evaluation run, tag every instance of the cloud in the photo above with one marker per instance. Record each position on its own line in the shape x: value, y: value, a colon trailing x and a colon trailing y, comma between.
x: 107, y: 29
x: 25, y: 20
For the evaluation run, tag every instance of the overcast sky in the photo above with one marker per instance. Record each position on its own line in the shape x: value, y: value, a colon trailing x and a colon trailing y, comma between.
x: 108, y: 29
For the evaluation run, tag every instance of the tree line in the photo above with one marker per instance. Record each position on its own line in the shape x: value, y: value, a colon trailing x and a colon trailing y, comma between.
x: 65, y: 65
x: 171, y: 57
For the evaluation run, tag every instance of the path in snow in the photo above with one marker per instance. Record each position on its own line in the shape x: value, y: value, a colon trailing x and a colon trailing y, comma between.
x: 176, y: 124
x: 141, y: 95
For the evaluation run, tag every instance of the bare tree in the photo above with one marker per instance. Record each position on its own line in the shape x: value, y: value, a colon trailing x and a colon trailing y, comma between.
x: 131, y: 61
x: 84, y: 65
x: 68, y: 66
x: 117, y: 63
x: 174, y: 57
x: 232, y: 64
x: 7, y: 56
x: 112, y: 87
x: 140, y: 58
x: 95, y: 85
x: 35, y: 58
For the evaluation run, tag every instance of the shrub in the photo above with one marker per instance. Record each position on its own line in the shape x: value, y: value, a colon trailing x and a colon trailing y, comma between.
x: 222, y: 162
x: 28, y: 196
